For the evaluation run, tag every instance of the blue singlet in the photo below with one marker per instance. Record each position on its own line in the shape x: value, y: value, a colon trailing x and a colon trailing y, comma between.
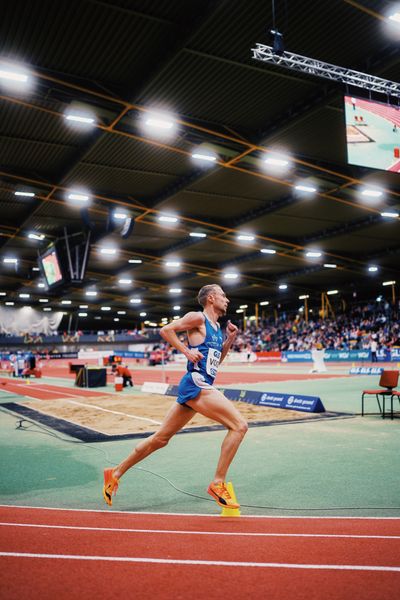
x: 201, y: 375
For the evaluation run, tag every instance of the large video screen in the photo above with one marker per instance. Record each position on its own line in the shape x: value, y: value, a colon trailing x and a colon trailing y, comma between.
x: 51, y: 267
x: 372, y: 134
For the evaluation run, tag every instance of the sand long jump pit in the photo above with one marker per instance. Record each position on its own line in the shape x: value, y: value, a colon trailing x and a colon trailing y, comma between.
x: 134, y: 414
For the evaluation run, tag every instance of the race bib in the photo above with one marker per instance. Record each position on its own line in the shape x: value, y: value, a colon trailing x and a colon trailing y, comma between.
x: 213, y: 358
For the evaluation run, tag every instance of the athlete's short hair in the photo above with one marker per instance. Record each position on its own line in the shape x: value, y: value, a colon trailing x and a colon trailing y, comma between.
x: 204, y: 292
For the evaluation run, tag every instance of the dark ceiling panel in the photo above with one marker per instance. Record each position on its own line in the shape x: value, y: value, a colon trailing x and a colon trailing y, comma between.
x: 214, y: 91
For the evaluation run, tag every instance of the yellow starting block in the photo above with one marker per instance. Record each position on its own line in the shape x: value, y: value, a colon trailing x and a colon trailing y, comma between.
x: 230, y: 512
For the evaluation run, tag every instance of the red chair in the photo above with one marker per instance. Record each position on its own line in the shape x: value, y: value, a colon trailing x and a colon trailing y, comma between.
x: 387, y: 383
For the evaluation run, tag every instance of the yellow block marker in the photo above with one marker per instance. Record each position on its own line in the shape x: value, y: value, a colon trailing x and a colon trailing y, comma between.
x: 230, y: 512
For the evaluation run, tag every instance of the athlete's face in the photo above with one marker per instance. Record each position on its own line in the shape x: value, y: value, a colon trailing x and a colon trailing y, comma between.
x: 220, y: 301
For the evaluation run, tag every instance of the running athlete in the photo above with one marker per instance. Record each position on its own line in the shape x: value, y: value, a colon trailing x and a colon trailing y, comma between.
x: 206, y: 350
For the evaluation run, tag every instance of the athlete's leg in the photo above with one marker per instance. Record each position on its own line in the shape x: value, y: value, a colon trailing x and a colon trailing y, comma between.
x: 214, y: 405
x: 176, y: 418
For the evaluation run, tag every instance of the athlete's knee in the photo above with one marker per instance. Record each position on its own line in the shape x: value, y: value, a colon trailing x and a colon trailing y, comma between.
x: 241, y: 427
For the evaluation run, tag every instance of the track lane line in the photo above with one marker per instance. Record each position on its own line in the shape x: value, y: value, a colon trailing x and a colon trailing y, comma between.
x: 208, y: 563
x: 179, y: 514
x: 212, y: 533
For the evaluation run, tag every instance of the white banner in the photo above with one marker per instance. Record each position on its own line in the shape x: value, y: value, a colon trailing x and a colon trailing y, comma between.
x: 27, y: 320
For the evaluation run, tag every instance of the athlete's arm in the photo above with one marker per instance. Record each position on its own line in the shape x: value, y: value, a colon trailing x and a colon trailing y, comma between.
x: 231, y: 333
x: 192, y: 320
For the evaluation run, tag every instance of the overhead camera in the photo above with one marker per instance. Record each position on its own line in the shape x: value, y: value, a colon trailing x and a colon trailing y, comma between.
x: 277, y: 42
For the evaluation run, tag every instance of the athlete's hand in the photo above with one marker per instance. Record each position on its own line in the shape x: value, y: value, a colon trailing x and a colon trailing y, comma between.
x: 193, y: 355
x: 231, y: 329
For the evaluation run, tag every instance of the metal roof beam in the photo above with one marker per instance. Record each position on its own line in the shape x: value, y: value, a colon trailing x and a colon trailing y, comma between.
x: 267, y: 208
x: 342, y: 229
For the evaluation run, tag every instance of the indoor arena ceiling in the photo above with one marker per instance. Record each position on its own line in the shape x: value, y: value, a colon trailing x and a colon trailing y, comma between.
x: 120, y: 60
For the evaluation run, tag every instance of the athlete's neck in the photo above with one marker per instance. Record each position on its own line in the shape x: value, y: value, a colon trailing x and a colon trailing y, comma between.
x: 212, y: 316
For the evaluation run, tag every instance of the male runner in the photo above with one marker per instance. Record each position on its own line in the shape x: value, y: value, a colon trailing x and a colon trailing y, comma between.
x: 206, y: 350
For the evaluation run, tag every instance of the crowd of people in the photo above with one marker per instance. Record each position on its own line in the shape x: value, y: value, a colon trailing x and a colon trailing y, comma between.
x: 372, y: 326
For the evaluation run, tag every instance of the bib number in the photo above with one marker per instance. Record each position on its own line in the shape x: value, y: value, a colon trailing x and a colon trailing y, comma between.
x: 213, y: 358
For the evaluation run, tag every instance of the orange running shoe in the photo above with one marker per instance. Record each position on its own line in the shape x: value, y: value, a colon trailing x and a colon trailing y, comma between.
x: 110, y: 486
x: 221, y: 495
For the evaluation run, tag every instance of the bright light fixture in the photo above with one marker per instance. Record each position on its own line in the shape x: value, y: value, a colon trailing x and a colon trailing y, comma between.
x: 10, y: 261
x: 41, y: 285
x: 392, y: 215
x: 372, y: 269
x: 304, y: 297
x: 240, y: 310
x: 82, y: 314
x: 176, y: 307
x: 370, y: 193
x: 268, y: 251
x: 135, y: 261
x: 9, y: 303
x: 143, y: 314
x: 66, y: 301
x: 196, y: 234
x: 125, y: 281
x: 83, y: 306
x: 84, y: 119
x: 135, y: 300
x: 332, y: 292
x: 27, y: 194
x: 121, y: 312
x: 283, y: 286
x: 277, y: 161
x: 175, y: 290
x: 395, y: 17
x: 91, y: 293
x: 43, y: 300
x: 36, y: 236
x: 309, y: 189
x: 245, y: 237
x: 158, y: 122
x: 35, y: 269
x: 15, y: 77
x: 78, y: 197
x: 120, y: 215
x: 244, y: 306
x: 204, y: 157
x: 106, y: 308
x: 3, y: 293
x: 108, y: 251
x: 167, y: 219
x: 388, y: 283
x: 330, y: 266
x: 9, y: 75
x: 231, y: 276
x: 264, y: 303
x: 173, y: 263
x: 47, y: 309
x: 313, y: 254
x: 116, y: 319
x: 24, y: 295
